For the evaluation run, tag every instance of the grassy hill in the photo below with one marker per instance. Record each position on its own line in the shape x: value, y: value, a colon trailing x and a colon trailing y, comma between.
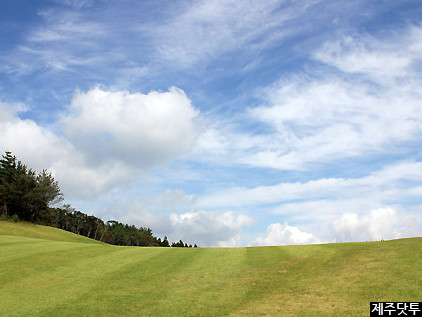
x: 43, y: 272
x: 29, y: 230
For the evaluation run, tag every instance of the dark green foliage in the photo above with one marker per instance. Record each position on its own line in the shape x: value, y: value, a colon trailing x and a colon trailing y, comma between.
x: 165, y: 242
x: 123, y: 234
x: 15, y: 218
x: 181, y: 244
x: 23, y: 192
x: 25, y: 195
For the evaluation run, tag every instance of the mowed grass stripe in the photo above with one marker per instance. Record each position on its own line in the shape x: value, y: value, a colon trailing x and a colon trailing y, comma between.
x: 55, y: 278
x: 337, y: 279
x: 49, y: 281
x: 180, y: 282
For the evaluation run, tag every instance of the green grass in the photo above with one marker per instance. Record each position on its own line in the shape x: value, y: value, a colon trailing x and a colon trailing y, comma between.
x: 43, y: 272
x: 30, y: 230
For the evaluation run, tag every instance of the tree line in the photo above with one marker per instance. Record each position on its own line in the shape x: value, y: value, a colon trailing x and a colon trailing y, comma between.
x: 26, y: 195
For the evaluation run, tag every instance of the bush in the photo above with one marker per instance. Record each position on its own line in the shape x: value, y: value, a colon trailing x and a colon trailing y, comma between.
x: 14, y: 218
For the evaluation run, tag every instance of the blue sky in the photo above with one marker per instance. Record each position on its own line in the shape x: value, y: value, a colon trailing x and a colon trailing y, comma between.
x: 222, y: 123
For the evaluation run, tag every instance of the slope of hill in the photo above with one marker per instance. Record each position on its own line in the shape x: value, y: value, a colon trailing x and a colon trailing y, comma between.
x: 43, y: 277
x: 30, y: 230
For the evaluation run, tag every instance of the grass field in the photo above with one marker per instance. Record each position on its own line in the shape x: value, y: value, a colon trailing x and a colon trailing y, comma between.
x: 50, y: 272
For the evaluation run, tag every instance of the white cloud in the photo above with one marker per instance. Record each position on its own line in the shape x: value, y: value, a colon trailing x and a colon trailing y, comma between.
x: 76, y: 3
x: 213, y: 142
x: 39, y: 148
x: 7, y: 113
x: 333, y: 119
x: 372, y: 57
x: 283, y: 234
x: 317, y: 203
x: 172, y: 200
x: 109, y: 139
x: 139, y: 129
x: 63, y: 42
x: 321, y: 210
x: 205, y: 228
x: 347, y: 107
x: 207, y: 29
x: 383, y: 223
x: 384, y: 61
x: 174, y: 213
x: 211, y: 228
x: 136, y: 213
x: 67, y: 39
x: 313, y: 204
x: 31, y: 143
x: 393, y: 182
x: 239, y: 196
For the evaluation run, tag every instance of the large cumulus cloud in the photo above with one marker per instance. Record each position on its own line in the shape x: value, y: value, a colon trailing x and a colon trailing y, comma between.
x: 107, y: 140
x: 283, y: 234
x: 139, y: 129
x: 381, y: 223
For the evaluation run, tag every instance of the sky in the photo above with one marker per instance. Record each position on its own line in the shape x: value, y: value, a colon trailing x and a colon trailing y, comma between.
x: 222, y: 123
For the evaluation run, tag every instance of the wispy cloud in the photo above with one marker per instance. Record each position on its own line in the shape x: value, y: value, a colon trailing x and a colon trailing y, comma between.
x: 211, y: 28
x: 345, y: 107
x: 392, y: 183
x: 184, y: 35
x: 381, y: 60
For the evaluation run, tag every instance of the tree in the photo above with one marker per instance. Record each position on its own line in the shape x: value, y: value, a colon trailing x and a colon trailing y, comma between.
x: 7, y: 176
x: 179, y: 244
x: 48, y: 188
x: 7, y: 167
x: 24, y: 193
x: 165, y: 242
